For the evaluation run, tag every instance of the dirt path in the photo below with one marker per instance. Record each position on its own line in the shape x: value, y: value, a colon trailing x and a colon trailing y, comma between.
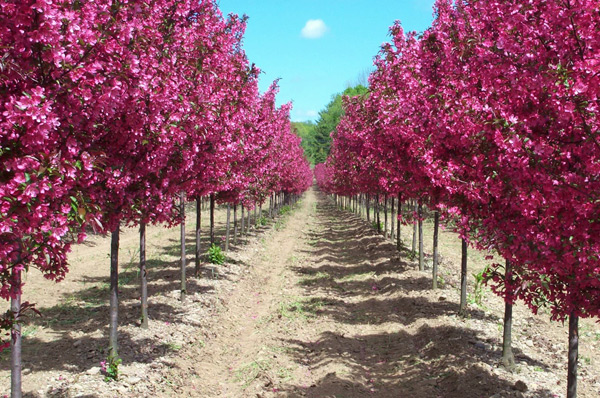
x: 332, y: 310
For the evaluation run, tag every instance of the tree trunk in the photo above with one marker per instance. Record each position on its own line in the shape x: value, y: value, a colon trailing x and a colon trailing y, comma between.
x: 573, y: 355
x: 212, y: 218
x: 198, y: 235
x: 243, y: 220
x: 183, y: 259
x: 385, y: 216
x: 235, y: 225
x: 436, y: 226
x: 143, y: 278
x: 114, y: 295
x: 398, y: 235
x: 227, y: 227
x: 248, y: 212
x: 377, y: 207
x: 421, y: 254
x: 415, y: 222
x: 392, y: 233
x: 368, y: 208
x: 16, y: 364
x: 508, y: 358
x: 463, y: 279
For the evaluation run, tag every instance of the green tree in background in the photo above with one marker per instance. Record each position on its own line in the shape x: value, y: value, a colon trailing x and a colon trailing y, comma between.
x: 316, y: 138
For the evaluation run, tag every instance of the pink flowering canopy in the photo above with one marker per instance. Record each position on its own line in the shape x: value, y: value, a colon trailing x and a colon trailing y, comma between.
x: 110, y: 109
x: 493, y: 115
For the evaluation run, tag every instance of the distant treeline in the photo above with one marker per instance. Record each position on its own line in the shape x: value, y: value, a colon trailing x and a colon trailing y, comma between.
x: 316, y: 139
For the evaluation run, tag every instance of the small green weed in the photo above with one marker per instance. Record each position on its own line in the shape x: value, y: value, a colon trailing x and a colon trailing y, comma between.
x: 249, y: 372
x: 262, y: 221
x: 285, y: 210
x: 302, y: 308
x: 215, y: 254
x: 312, y: 279
x: 110, y: 368
x: 479, y: 288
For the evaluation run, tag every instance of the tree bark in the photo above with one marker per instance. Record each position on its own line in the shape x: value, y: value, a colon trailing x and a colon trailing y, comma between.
x: 398, y: 225
x: 508, y: 358
x: 377, y: 208
x: 16, y: 364
x: 114, y: 295
x: 248, y: 212
x: 415, y: 222
x: 242, y: 222
x: 421, y: 254
x: 463, y: 279
x: 183, y: 259
x: 235, y: 225
x: 385, y: 216
x: 212, y: 218
x: 143, y: 278
x: 368, y: 208
x: 436, y: 225
x: 392, y: 233
x: 198, y: 235
x: 227, y: 227
x: 573, y: 355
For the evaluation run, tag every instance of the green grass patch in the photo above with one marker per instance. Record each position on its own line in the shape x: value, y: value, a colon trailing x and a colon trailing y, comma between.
x: 249, y: 372
x: 363, y: 276
x: 315, y: 278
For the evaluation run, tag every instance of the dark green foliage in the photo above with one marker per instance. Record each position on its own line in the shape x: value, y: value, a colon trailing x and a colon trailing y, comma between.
x: 316, y: 138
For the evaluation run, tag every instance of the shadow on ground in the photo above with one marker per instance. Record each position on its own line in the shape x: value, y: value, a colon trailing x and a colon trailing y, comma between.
x: 390, y: 342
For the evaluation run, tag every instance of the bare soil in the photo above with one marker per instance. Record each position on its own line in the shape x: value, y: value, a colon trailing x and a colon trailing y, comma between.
x: 315, y: 304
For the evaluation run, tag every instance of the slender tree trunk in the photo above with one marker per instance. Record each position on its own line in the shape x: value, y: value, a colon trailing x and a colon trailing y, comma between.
x: 436, y: 226
x: 378, y: 208
x: 463, y: 279
x: 143, y: 278
x: 248, y: 212
x: 415, y: 223
x: 235, y: 224
x: 271, y: 206
x: 114, y: 294
x: 198, y: 236
x: 212, y: 218
x: 385, y: 216
x: 398, y: 234
x: 368, y: 208
x: 421, y: 253
x: 392, y: 234
x: 573, y: 355
x: 183, y: 259
x: 16, y: 364
x: 242, y: 222
x: 508, y: 358
x: 255, y: 216
x: 227, y: 227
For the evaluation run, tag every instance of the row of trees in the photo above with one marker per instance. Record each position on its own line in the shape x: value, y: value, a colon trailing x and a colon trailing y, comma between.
x: 111, y: 110
x: 491, y: 118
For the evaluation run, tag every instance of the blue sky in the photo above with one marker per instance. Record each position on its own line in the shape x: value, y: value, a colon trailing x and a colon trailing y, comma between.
x: 319, y: 47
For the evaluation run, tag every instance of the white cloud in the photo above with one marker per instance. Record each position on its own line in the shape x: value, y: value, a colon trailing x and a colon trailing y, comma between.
x: 314, y: 29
